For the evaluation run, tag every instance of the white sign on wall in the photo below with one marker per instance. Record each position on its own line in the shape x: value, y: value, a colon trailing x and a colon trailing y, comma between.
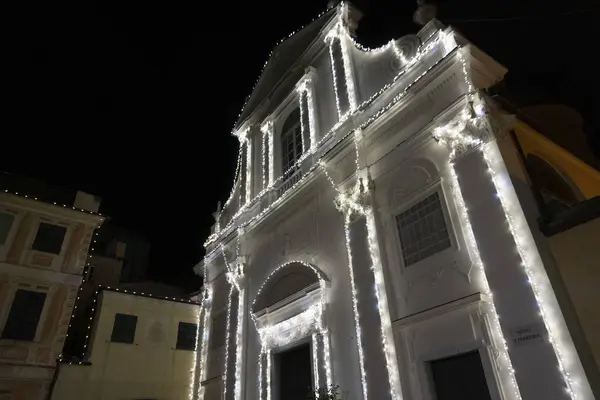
x: 527, y: 334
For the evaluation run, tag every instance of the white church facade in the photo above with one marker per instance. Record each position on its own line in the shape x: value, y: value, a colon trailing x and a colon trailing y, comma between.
x: 373, y: 239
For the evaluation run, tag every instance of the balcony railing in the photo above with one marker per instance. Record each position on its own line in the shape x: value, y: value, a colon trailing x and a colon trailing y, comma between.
x: 290, y: 180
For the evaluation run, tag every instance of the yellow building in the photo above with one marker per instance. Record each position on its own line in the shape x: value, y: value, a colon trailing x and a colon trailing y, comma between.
x: 43, y: 253
x: 141, y: 347
x: 558, y: 182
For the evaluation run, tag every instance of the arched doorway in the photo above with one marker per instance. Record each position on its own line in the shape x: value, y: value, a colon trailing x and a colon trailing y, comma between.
x: 288, y: 312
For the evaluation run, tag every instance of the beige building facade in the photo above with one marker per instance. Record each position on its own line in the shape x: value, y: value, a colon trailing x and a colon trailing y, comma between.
x: 141, y: 347
x: 43, y: 254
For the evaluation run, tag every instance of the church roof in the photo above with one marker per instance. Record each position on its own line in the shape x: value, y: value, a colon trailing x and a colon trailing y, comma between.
x: 282, y: 58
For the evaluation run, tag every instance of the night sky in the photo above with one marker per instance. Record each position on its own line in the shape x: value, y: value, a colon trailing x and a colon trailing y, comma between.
x: 134, y: 100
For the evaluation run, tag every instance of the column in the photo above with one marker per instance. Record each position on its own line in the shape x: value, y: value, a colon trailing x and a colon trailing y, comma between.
x: 376, y: 381
x: 532, y: 355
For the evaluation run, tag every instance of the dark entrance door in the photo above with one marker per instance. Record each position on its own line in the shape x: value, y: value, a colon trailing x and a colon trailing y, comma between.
x: 295, y: 373
x: 460, y: 377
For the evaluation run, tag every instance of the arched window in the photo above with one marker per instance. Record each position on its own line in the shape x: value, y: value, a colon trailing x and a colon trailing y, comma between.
x: 557, y: 192
x: 291, y: 143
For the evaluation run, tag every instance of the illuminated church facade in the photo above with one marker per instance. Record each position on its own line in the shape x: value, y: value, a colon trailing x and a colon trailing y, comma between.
x: 373, y: 239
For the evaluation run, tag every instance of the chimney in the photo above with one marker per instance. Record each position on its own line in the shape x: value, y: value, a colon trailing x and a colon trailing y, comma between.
x: 87, y: 202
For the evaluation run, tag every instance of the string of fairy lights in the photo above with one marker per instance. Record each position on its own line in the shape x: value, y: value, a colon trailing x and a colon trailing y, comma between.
x: 353, y: 203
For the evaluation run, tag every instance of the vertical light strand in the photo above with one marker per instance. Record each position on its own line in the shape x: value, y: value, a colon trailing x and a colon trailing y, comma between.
x: 239, y: 345
x: 248, y: 170
x: 387, y: 338
x: 192, y: 393
x: 303, y: 128
x: 311, y: 115
x: 268, y: 355
x: 330, y: 40
x: 350, y: 87
x: 260, y: 374
x: 361, y: 359
x: 473, y: 250
x: 532, y: 264
x: 227, y: 335
x: 205, y: 338
x: 327, y: 358
x: 315, y: 355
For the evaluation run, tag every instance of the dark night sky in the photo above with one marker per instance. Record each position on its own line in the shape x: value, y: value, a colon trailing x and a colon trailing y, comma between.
x: 134, y: 100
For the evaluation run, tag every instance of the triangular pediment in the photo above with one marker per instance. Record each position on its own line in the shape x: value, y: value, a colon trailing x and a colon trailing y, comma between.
x: 283, y: 61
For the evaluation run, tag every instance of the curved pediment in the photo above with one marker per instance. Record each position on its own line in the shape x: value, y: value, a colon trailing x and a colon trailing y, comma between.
x: 285, y: 282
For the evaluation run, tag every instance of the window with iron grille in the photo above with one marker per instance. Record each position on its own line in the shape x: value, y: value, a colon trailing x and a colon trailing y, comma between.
x: 186, y: 336
x: 291, y: 143
x: 422, y: 230
x: 124, y: 328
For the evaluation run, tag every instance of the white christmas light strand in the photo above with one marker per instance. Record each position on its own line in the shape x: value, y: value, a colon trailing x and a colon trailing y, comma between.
x: 227, y: 336
x: 235, y: 176
x: 191, y: 392
x: 473, y: 250
x: 315, y: 356
x: 308, y: 322
x: 248, y: 171
x: 335, y: 85
x: 238, y: 345
x: 302, y: 127
x: 205, y: 337
x: 533, y: 266
x: 361, y: 358
x: 387, y: 336
x: 333, y: 130
x: 273, y: 51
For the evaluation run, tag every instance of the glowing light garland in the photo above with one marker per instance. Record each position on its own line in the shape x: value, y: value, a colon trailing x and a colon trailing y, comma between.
x: 329, y: 134
x: 361, y: 357
x: 448, y: 134
x: 227, y: 333
x: 456, y: 134
x: 205, y: 337
x: 558, y: 334
x: 192, y: 393
x: 309, y: 322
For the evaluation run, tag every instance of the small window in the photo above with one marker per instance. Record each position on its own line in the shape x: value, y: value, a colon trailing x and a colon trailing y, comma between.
x: 49, y: 238
x: 291, y: 142
x: 422, y: 230
x: 186, y: 336
x: 124, y: 328
x: 460, y: 377
x: 6, y: 221
x: 24, y: 315
x: 340, y: 76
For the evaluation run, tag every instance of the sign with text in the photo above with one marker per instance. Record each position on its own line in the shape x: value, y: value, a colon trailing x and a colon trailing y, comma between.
x: 528, y: 334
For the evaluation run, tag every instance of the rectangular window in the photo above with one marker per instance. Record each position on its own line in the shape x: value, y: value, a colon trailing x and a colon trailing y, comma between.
x: 24, y: 315
x: 124, y: 328
x: 6, y: 221
x: 422, y: 229
x: 186, y: 336
x: 49, y: 238
x: 340, y: 76
x: 460, y: 377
